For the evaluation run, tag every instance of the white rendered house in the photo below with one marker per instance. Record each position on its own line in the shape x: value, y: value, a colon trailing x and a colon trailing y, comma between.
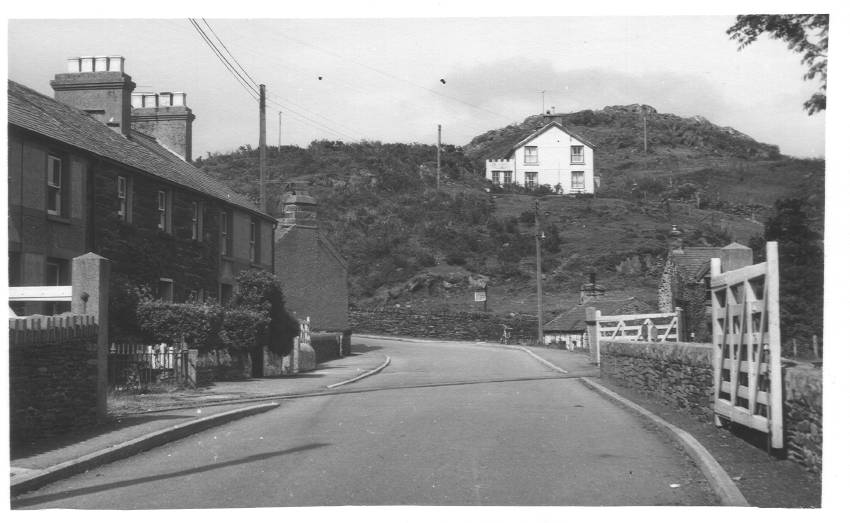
x: 550, y: 156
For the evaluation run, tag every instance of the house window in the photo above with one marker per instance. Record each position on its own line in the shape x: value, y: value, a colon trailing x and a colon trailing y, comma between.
x: 495, y: 177
x: 163, y: 206
x: 577, y: 154
x: 577, y: 180
x: 197, y: 221
x: 226, y: 226
x: 55, y: 186
x: 531, y: 154
x: 530, y: 180
x: 124, y: 205
x: 254, y: 243
x: 165, y: 290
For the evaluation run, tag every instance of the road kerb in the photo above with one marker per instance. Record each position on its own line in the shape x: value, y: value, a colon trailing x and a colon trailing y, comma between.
x: 364, y: 375
x: 720, y: 482
x: 541, y: 360
x: 129, y: 448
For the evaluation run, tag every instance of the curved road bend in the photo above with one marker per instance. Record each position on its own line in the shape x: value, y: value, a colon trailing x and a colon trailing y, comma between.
x: 451, y: 424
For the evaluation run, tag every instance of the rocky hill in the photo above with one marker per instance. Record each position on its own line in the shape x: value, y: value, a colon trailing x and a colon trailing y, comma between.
x: 409, y: 245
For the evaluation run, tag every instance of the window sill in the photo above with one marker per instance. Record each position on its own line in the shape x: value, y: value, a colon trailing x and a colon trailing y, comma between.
x: 577, y: 163
x: 533, y: 164
x: 59, y: 219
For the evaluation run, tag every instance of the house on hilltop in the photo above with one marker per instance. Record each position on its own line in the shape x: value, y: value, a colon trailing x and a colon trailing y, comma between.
x: 553, y: 156
x: 686, y: 281
x: 99, y: 168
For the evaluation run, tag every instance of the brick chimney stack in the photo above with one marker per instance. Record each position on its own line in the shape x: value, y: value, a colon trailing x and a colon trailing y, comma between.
x: 299, y: 210
x: 165, y: 117
x: 98, y: 86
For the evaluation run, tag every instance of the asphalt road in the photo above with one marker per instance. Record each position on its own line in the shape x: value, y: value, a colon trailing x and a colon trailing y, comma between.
x: 450, y: 424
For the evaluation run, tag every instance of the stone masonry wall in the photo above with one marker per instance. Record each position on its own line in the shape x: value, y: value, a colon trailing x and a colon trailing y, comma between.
x: 471, y: 326
x: 52, y: 378
x: 681, y: 374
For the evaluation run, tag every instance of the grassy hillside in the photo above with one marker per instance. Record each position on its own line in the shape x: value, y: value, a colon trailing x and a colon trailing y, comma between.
x: 410, y: 245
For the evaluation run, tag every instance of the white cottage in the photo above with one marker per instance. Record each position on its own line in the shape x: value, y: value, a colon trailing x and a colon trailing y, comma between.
x: 552, y: 156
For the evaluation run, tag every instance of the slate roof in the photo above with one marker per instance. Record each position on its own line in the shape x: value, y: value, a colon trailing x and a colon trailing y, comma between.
x: 694, y: 262
x: 548, y: 126
x: 35, y: 112
x: 574, y: 320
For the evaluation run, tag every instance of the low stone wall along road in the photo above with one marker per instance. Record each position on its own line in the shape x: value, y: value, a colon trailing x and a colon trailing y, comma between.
x: 444, y: 424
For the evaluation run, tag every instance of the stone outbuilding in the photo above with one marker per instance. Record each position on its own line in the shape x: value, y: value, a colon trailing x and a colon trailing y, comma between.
x: 313, y: 274
x: 686, y: 281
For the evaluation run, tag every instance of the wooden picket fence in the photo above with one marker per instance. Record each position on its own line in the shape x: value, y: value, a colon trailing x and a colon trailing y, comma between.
x: 134, y: 367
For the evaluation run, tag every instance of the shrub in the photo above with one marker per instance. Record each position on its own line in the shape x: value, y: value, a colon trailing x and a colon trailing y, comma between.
x: 243, y: 329
x: 198, y: 324
x: 260, y: 292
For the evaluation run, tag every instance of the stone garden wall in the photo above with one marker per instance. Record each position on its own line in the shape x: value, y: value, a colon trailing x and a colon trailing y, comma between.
x: 681, y: 374
x: 53, y: 378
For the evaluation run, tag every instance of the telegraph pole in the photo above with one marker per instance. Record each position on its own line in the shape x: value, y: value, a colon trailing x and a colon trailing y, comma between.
x: 279, y: 128
x: 543, y: 102
x: 439, y: 146
x: 539, y: 283
x: 263, y: 148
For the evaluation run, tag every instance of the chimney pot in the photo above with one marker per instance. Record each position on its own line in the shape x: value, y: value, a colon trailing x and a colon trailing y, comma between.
x: 164, y: 99
x: 178, y: 99
x: 87, y: 64
x: 74, y: 65
x: 101, y: 63
x: 149, y: 100
x: 137, y: 100
x: 116, y: 63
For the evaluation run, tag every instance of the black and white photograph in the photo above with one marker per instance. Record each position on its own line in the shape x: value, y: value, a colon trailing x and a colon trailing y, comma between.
x: 419, y: 260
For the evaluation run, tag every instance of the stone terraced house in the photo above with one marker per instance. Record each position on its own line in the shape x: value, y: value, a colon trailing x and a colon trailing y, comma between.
x: 99, y: 168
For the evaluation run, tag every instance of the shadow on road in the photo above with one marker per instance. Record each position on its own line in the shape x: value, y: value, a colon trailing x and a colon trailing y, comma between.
x: 22, y: 503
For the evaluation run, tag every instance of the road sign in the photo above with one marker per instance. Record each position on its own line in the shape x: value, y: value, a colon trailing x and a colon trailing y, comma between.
x: 480, y: 295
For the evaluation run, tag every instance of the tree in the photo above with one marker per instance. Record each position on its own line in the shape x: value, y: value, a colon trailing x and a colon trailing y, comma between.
x: 804, y: 34
x: 801, y: 264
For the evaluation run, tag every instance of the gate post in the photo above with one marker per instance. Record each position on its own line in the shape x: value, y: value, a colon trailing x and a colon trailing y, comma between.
x: 90, y: 296
x: 775, y: 341
x: 592, y: 320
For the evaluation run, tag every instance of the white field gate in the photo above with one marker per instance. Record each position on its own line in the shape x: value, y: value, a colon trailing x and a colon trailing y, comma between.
x: 747, y: 345
x: 660, y: 326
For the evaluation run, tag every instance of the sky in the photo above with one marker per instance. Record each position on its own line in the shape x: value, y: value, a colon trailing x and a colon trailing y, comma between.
x: 396, y: 79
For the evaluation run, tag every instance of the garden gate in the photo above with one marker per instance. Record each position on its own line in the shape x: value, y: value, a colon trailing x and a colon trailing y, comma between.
x: 747, y: 345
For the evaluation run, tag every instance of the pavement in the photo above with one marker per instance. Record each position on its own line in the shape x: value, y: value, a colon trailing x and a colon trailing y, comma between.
x: 141, y: 422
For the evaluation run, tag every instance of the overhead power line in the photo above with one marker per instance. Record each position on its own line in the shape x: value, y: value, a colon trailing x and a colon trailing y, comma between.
x: 247, y: 81
x: 390, y: 75
x: 246, y: 84
x: 228, y: 52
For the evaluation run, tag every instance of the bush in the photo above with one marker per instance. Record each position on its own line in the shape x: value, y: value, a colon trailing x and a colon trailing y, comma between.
x: 260, y: 291
x: 198, y: 324
x: 243, y: 329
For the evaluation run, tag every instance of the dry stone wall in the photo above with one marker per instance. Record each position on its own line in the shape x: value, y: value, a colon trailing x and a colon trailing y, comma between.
x: 681, y: 374
x: 52, y: 380
x: 469, y: 326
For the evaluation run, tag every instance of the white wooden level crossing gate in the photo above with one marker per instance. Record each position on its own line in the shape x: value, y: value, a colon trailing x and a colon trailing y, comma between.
x: 747, y: 345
